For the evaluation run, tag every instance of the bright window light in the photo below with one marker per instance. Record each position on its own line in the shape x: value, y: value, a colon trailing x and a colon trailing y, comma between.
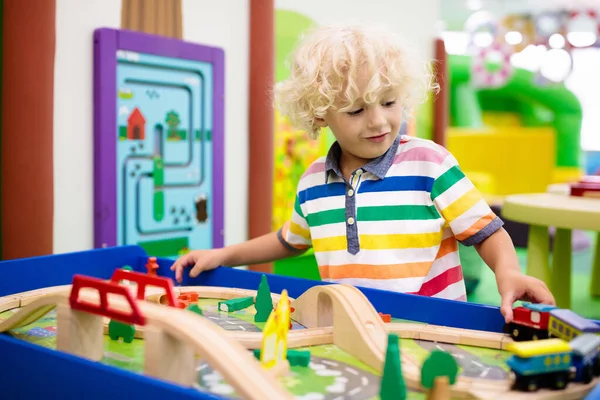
x: 529, y: 58
x: 474, y: 5
x: 456, y: 42
x: 513, y: 37
x: 556, y: 65
x: 556, y: 41
x: 483, y: 39
x: 584, y: 82
x: 581, y: 39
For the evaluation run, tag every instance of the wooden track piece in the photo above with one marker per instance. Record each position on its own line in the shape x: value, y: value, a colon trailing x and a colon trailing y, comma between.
x: 357, y: 327
x: 168, y: 358
x: 79, y: 332
x: 249, y: 379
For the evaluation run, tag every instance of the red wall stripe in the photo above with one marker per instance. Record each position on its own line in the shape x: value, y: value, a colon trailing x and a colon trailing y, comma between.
x: 261, y: 121
x: 27, y: 180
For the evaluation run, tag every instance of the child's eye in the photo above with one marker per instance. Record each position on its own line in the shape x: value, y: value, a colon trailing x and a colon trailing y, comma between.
x: 355, y: 112
x: 390, y: 103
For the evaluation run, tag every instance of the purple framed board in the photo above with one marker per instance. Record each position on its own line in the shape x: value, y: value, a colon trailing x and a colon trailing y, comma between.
x: 158, y: 143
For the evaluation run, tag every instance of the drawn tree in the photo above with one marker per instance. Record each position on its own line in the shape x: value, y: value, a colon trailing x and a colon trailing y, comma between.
x: 264, y: 302
x: 438, y: 364
x: 173, y: 122
x: 392, y: 385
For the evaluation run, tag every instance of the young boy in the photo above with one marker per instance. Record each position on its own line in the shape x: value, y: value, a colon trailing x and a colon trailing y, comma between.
x: 382, y: 209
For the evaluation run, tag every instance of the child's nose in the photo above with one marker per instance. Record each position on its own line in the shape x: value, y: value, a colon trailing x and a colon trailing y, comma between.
x: 376, y: 118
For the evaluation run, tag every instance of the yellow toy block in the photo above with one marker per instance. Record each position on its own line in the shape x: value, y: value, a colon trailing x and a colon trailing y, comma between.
x: 274, y: 344
x: 506, y: 160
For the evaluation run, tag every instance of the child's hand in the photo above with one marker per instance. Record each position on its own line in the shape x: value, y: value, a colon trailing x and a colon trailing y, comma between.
x: 514, y: 285
x: 201, y: 260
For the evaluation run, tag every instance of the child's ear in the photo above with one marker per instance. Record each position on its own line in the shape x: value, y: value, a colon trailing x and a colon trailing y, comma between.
x: 320, y: 122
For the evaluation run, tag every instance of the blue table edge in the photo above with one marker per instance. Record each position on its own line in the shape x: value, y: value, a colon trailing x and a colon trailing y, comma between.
x: 26, y: 274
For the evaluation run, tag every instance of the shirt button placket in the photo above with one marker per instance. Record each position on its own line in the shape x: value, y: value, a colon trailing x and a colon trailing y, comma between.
x: 351, y: 229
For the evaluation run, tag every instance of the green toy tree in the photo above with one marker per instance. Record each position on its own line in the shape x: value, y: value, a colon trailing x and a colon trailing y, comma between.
x: 173, y: 122
x: 438, y: 364
x: 264, y: 302
x: 194, y: 308
x: 392, y: 385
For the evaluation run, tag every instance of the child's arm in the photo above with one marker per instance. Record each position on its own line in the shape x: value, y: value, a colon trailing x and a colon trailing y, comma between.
x: 265, y: 248
x: 474, y: 223
x: 498, y: 252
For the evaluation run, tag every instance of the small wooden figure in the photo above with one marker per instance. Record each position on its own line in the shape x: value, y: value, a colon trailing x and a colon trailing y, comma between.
x: 441, y: 389
x: 274, y: 345
x: 392, y: 386
x: 236, y: 304
x: 151, y: 266
x: 264, y: 302
x: 118, y: 329
x: 438, y: 365
x: 385, y: 317
x: 194, y: 308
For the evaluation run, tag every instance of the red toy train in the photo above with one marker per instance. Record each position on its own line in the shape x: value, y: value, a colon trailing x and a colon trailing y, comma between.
x: 539, y: 321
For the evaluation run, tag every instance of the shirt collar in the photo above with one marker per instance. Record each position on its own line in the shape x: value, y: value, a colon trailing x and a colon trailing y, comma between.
x: 378, y: 166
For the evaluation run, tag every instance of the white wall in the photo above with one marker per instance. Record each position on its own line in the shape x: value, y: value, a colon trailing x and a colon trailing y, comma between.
x: 226, y: 24
x: 415, y: 20
x: 73, y: 118
x: 223, y: 24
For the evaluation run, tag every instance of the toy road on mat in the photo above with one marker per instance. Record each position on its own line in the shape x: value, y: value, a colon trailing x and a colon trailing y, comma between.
x: 329, y: 343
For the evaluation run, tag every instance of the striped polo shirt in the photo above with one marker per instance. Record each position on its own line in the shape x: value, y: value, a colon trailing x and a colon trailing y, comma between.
x: 396, y: 224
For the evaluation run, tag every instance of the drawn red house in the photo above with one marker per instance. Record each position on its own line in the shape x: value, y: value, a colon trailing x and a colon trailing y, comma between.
x: 136, y: 125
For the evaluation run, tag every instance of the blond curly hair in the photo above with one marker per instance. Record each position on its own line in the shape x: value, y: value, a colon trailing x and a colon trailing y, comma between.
x: 325, y: 65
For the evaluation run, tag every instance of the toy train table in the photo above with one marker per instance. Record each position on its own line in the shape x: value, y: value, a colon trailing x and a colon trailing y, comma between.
x: 102, y: 323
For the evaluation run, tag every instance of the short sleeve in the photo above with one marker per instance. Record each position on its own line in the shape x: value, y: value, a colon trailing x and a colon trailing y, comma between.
x: 295, y: 233
x: 462, y: 206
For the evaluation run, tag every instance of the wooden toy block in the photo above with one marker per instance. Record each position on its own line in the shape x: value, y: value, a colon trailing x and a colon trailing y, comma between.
x: 385, y: 317
x: 440, y: 390
x: 298, y: 357
x: 235, y: 304
x: 80, y: 332
x: 167, y: 357
x: 195, y: 309
x: 264, y: 301
x: 118, y: 329
x: 280, y: 369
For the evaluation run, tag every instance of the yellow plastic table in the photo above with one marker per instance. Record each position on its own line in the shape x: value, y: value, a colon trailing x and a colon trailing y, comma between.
x: 565, y: 213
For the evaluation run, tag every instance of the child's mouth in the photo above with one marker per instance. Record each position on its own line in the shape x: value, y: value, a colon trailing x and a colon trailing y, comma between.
x: 377, y: 139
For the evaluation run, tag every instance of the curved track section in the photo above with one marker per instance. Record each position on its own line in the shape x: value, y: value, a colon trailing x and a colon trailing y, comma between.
x: 359, y: 330
x: 224, y: 354
x: 33, y: 311
x: 357, y: 327
x: 338, y: 314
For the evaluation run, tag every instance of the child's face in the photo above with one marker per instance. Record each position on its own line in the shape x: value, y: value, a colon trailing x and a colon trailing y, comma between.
x: 366, y: 131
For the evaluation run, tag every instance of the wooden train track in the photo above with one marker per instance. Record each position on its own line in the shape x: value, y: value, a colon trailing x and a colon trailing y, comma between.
x: 333, y: 314
x: 199, y: 336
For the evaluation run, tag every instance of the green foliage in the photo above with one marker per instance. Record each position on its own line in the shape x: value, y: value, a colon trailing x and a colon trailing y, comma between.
x: 264, y: 302
x: 172, y: 120
x: 195, y: 308
x: 439, y: 363
x: 392, y: 386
